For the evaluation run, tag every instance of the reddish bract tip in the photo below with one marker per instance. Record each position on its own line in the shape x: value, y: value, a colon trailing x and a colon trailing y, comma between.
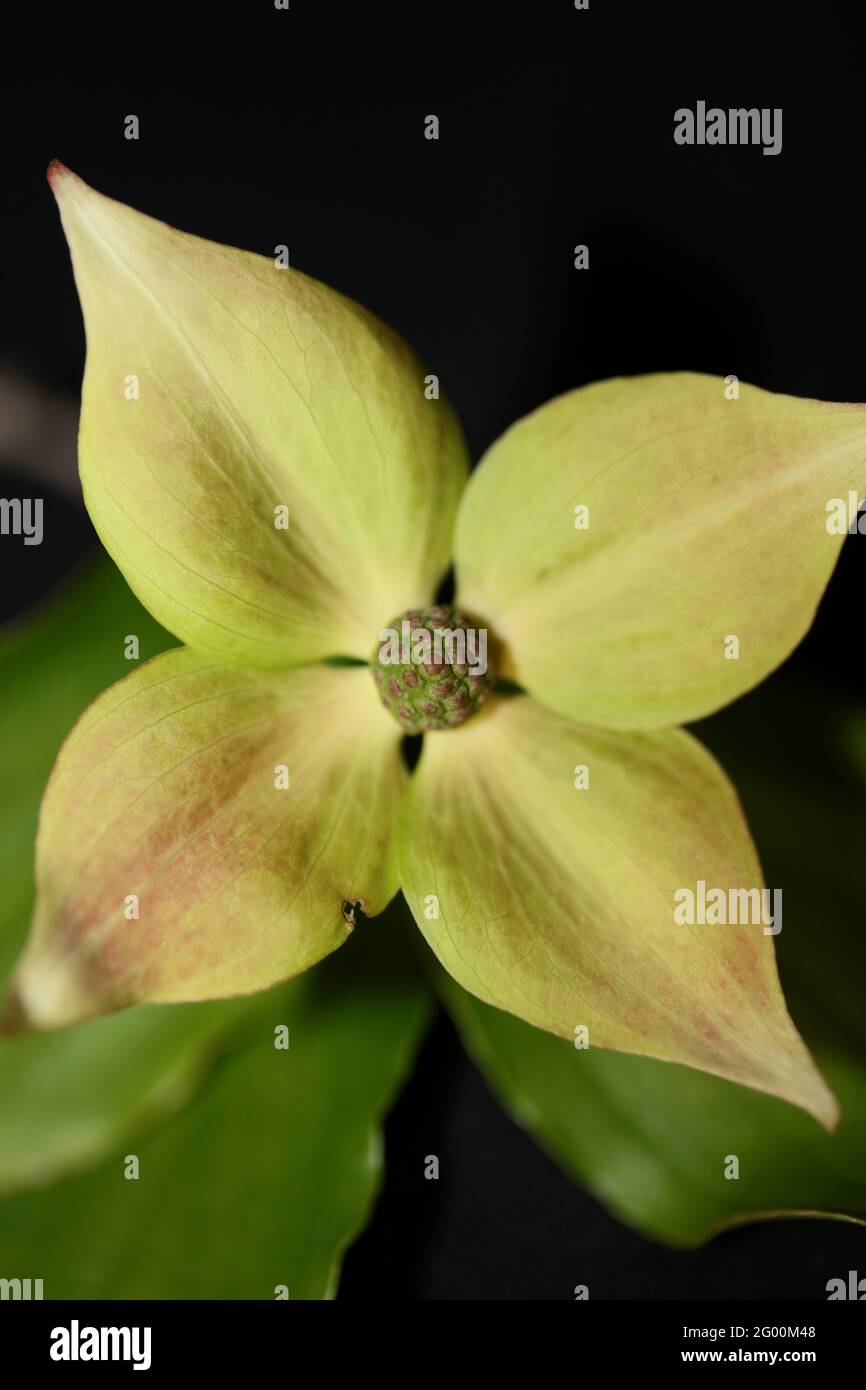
x: 54, y: 171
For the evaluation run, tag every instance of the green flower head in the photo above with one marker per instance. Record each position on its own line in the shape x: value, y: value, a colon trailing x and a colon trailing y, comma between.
x: 262, y: 460
x: 430, y: 666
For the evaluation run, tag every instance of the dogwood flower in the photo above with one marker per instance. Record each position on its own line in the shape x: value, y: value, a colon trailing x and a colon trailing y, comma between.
x: 280, y: 483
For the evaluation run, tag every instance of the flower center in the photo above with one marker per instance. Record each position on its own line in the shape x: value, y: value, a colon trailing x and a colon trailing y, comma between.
x: 430, y: 668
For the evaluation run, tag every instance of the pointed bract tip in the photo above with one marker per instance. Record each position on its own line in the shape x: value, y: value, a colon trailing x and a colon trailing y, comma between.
x: 830, y: 1112
x: 55, y: 171
x: 61, y: 178
x: 818, y: 1100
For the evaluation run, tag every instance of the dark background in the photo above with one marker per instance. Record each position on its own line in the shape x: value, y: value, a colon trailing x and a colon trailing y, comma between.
x: 306, y: 127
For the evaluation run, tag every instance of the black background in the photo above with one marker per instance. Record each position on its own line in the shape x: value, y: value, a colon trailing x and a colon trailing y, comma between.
x: 306, y: 127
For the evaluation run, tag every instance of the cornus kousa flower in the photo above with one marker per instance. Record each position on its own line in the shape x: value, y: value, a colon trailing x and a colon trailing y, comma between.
x: 263, y: 461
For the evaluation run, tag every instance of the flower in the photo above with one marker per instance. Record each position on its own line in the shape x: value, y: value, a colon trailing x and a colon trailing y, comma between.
x: 276, y: 477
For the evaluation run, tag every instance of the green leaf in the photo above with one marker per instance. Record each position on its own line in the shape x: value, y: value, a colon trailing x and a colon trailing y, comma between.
x: 707, y: 522
x: 268, y: 1175
x: 558, y: 901
x: 652, y: 1140
x: 258, y: 452
x: 67, y: 1099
